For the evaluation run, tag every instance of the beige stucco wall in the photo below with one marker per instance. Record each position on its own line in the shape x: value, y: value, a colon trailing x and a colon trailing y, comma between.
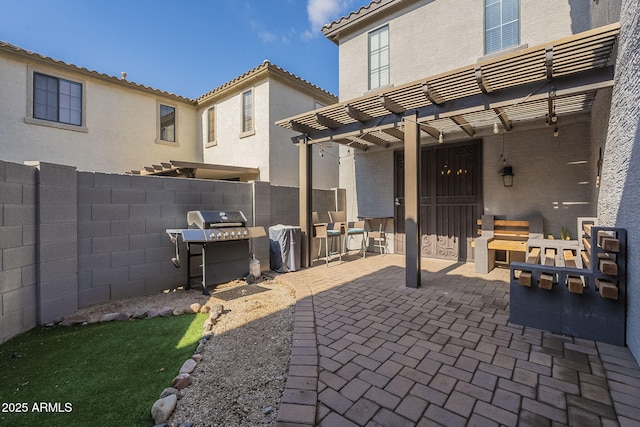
x: 433, y: 36
x: 270, y: 148
x: 286, y: 102
x: 121, y: 125
x: 232, y: 146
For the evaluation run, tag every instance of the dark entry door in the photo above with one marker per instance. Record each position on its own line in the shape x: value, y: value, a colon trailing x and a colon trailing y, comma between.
x: 450, y: 202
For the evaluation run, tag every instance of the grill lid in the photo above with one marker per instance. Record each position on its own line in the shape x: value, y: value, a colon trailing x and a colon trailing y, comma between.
x: 211, y: 219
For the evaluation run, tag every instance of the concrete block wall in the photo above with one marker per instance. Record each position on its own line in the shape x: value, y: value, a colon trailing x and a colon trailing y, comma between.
x: 70, y: 239
x: 123, y: 249
x: 18, y: 311
x: 57, y: 236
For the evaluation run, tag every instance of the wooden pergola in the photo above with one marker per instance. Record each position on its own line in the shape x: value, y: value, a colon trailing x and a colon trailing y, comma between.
x: 542, y: 82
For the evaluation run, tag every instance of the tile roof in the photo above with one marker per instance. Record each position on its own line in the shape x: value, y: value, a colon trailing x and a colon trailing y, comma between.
x: 267, y: 67
x: 8, y: 47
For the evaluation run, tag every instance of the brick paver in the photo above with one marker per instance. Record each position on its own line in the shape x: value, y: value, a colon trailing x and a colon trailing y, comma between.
x: 369, y: 351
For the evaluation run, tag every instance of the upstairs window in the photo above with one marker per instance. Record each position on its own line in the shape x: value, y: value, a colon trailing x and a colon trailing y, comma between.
x: 247, y: 111
x: 501, y: 24
x: 379, y: 58
x: 167, y: 123
x: 57, y: 100
x: 211, y: 124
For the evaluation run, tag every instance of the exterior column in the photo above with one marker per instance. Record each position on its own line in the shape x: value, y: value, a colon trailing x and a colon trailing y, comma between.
x: 412, y: 183
x: 305, y: 189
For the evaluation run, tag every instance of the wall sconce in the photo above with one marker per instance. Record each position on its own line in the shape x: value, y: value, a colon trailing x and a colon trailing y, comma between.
x: 507, y: 176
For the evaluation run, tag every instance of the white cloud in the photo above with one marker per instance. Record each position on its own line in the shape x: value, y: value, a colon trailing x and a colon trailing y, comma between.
x: 321, y: 12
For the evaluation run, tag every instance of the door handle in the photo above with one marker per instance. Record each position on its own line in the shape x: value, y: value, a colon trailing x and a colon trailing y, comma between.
x: 397, y: 202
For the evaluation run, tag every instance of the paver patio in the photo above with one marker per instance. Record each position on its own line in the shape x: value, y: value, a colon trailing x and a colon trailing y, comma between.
x: 368, y: 351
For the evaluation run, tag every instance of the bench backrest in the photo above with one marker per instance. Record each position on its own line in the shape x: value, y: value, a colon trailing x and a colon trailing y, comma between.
x: 514, y: 229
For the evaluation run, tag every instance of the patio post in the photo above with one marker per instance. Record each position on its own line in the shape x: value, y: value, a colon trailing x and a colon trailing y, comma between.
x: 305, y: 192
x: 412, y: 178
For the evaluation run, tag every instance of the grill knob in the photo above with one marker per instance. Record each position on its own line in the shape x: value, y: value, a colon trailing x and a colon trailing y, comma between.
x: 226, y: 235
x: 233, y: 234
x: 244, y: 233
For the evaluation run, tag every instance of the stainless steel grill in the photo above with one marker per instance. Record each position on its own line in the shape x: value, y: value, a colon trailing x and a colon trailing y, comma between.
x: 221, y: 241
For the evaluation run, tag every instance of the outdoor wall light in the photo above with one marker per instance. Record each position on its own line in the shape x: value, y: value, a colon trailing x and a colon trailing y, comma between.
x: 507, y: 176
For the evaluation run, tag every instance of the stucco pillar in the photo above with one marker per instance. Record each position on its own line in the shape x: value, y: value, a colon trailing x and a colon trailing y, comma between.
x: 412, y: 200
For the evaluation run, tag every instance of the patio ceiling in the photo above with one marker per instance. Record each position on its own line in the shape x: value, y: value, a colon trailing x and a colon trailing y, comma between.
x: 561, y: 78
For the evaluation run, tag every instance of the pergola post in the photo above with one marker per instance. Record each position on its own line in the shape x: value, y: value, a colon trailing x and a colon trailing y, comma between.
x: 412, y: 178
x: 305, y: 192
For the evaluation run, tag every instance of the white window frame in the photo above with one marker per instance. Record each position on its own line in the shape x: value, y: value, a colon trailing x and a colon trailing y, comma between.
x: 378, y: 68
x: 159, y: 139
x: 30, y: 119
x: 501, y: 25
x: 214, y: 142
x: 247, y: 132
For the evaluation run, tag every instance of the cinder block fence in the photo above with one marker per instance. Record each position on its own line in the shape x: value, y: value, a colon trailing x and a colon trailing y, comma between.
x: 70, y: 239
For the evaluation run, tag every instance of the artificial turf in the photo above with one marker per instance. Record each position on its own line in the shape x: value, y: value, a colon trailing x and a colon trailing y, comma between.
x: 104, y: 374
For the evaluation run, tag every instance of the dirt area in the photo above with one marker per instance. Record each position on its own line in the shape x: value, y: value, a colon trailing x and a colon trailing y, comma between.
x: 241, y: 377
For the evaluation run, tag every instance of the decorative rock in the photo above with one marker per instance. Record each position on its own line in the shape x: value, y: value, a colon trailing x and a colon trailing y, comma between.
x: 153, y: 313
x: 169, y: 391
x: 205, y: 309
x: 74, y: 320
x: 181, y: 381
x: 121, y: 317
x: 178, y: 312
x: 207, y: 334
x: 188, y: 366
x: 199, y: 349
x: 208, y: 324
x: 267, y: 410
x: 197, y: 357
x: 108, y: 317
x: 166, y: 312
x: 162, y: 408
x: 195, y: 307
x: 217, y: 308
x: 140, y: 314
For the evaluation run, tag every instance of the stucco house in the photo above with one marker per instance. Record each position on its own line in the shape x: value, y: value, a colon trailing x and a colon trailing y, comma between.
x: 438, y: 96
x: 62, y: 113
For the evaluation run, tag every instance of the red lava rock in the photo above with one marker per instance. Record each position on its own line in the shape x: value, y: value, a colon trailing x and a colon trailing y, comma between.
x: 181, y: 381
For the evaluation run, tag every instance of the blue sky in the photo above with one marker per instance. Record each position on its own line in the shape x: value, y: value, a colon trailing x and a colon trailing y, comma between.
x: 188, y: 47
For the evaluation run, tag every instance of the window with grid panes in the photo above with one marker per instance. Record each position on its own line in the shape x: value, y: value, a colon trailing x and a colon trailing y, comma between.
x: 379, y: 58
x: 501, y: 24
x: 57, y: 100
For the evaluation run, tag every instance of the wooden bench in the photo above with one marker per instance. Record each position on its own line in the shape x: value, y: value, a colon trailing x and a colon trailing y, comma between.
x: 503, y: 235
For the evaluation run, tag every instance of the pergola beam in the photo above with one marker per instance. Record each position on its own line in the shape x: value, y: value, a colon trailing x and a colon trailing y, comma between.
x: 464, y: 125
x: 302, y: 128
x: 375, y: 140
x: 394, y: 132
x: 565, y: 85
x: 327, y: 122
x: 503, y: 117
x: 351, y: 143
x: 430, y: 130
x: 356, y: 114
x: 391, y: 106
x: 431, y: 94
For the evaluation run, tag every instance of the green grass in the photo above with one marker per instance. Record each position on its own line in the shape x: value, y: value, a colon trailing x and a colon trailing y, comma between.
x: 108, y: 374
